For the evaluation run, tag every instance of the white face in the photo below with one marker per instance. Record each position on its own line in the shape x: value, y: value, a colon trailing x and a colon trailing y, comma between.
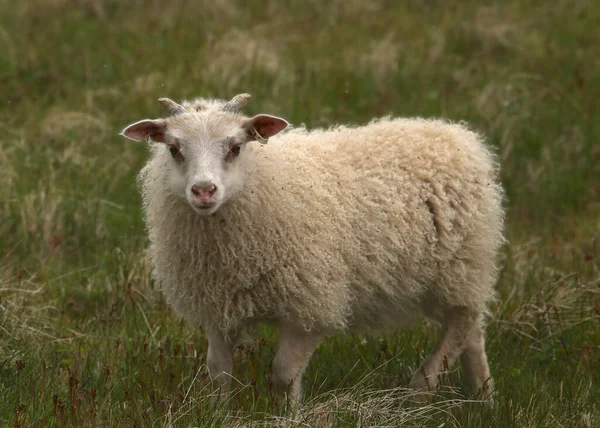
x: 205, y: 162
x: 204, y: 151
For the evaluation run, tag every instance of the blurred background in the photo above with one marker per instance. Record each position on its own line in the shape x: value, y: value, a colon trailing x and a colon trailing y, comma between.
x: 85, y: 339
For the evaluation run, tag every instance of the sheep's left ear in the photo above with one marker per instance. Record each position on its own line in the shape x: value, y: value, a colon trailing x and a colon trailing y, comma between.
x: 263, y: 126
x: 139, y: 131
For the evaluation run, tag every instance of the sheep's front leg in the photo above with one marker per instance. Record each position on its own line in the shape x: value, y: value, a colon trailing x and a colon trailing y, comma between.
x: 220, y: 360
x: 293, y: 354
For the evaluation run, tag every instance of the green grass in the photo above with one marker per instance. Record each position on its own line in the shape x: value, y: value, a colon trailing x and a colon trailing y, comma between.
x: 86, y: 340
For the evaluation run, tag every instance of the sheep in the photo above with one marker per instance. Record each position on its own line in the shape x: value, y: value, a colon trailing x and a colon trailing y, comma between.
x: 351, y: 228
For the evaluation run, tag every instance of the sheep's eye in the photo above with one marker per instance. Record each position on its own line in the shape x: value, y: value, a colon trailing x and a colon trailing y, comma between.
x: 233, y: 153
x: 174, y: 150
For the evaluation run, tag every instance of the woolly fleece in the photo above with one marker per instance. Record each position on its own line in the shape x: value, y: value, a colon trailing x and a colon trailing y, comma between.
x: 348, y: 228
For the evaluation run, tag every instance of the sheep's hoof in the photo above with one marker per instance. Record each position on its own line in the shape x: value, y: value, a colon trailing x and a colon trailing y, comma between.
x: 288, y: 405
x: 423, y: 382
x: 486, y: 393
x: 424, y: 386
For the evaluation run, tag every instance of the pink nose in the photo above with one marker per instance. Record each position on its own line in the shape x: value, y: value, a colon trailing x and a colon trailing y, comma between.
x: 204, y: 190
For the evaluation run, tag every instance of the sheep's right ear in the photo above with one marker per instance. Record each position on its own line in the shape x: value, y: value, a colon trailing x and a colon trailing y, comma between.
x: 139, y: 131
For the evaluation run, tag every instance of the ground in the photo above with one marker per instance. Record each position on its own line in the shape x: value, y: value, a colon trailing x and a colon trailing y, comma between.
x: 86, y: 339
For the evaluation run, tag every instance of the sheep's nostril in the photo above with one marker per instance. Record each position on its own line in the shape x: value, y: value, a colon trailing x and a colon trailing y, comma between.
x: 204, y: 190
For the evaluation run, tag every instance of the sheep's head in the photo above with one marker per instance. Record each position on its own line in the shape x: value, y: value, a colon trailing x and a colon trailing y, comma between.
x: 204, y: 145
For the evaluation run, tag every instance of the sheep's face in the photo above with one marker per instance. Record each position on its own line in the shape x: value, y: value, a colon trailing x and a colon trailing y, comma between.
x: 204, y: 152
x: 207, y: 154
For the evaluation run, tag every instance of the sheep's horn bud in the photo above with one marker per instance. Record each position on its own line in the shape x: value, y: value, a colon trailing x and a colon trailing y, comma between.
x: 236, y: 103
x: 172, y: 106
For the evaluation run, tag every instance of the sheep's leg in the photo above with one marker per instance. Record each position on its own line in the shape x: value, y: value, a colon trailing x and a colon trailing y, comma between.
x: 220, y: 360
x: 293, y: 354
x: 456, y: 329
x: 475, y: 365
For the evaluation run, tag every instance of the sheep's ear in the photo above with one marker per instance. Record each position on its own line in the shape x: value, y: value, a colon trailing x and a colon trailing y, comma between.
x: 263, y: 126
x: 139, y: 131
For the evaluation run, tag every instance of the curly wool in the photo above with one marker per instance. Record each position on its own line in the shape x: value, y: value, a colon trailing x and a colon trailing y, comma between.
x: 352, y: 227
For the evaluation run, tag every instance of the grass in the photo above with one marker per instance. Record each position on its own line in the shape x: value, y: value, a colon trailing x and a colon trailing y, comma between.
x: 86, y: 340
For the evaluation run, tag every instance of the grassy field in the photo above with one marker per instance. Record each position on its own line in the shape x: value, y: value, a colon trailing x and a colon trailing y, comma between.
x: 86, y: 340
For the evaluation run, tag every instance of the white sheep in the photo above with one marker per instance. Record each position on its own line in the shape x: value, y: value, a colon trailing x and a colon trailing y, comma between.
x: 352, y: 228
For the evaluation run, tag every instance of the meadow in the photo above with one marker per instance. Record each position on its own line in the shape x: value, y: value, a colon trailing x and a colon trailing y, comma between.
x: 86, y: 339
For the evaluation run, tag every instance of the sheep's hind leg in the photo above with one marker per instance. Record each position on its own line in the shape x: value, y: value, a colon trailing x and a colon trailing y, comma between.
x: 293, y: 354
x: 456, y: 328
x: 475, y: 365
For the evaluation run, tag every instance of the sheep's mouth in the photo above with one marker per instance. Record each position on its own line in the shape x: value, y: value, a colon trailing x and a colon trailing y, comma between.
x: 205, y: 205
x: 202, y: 204
x: 206, y: 208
